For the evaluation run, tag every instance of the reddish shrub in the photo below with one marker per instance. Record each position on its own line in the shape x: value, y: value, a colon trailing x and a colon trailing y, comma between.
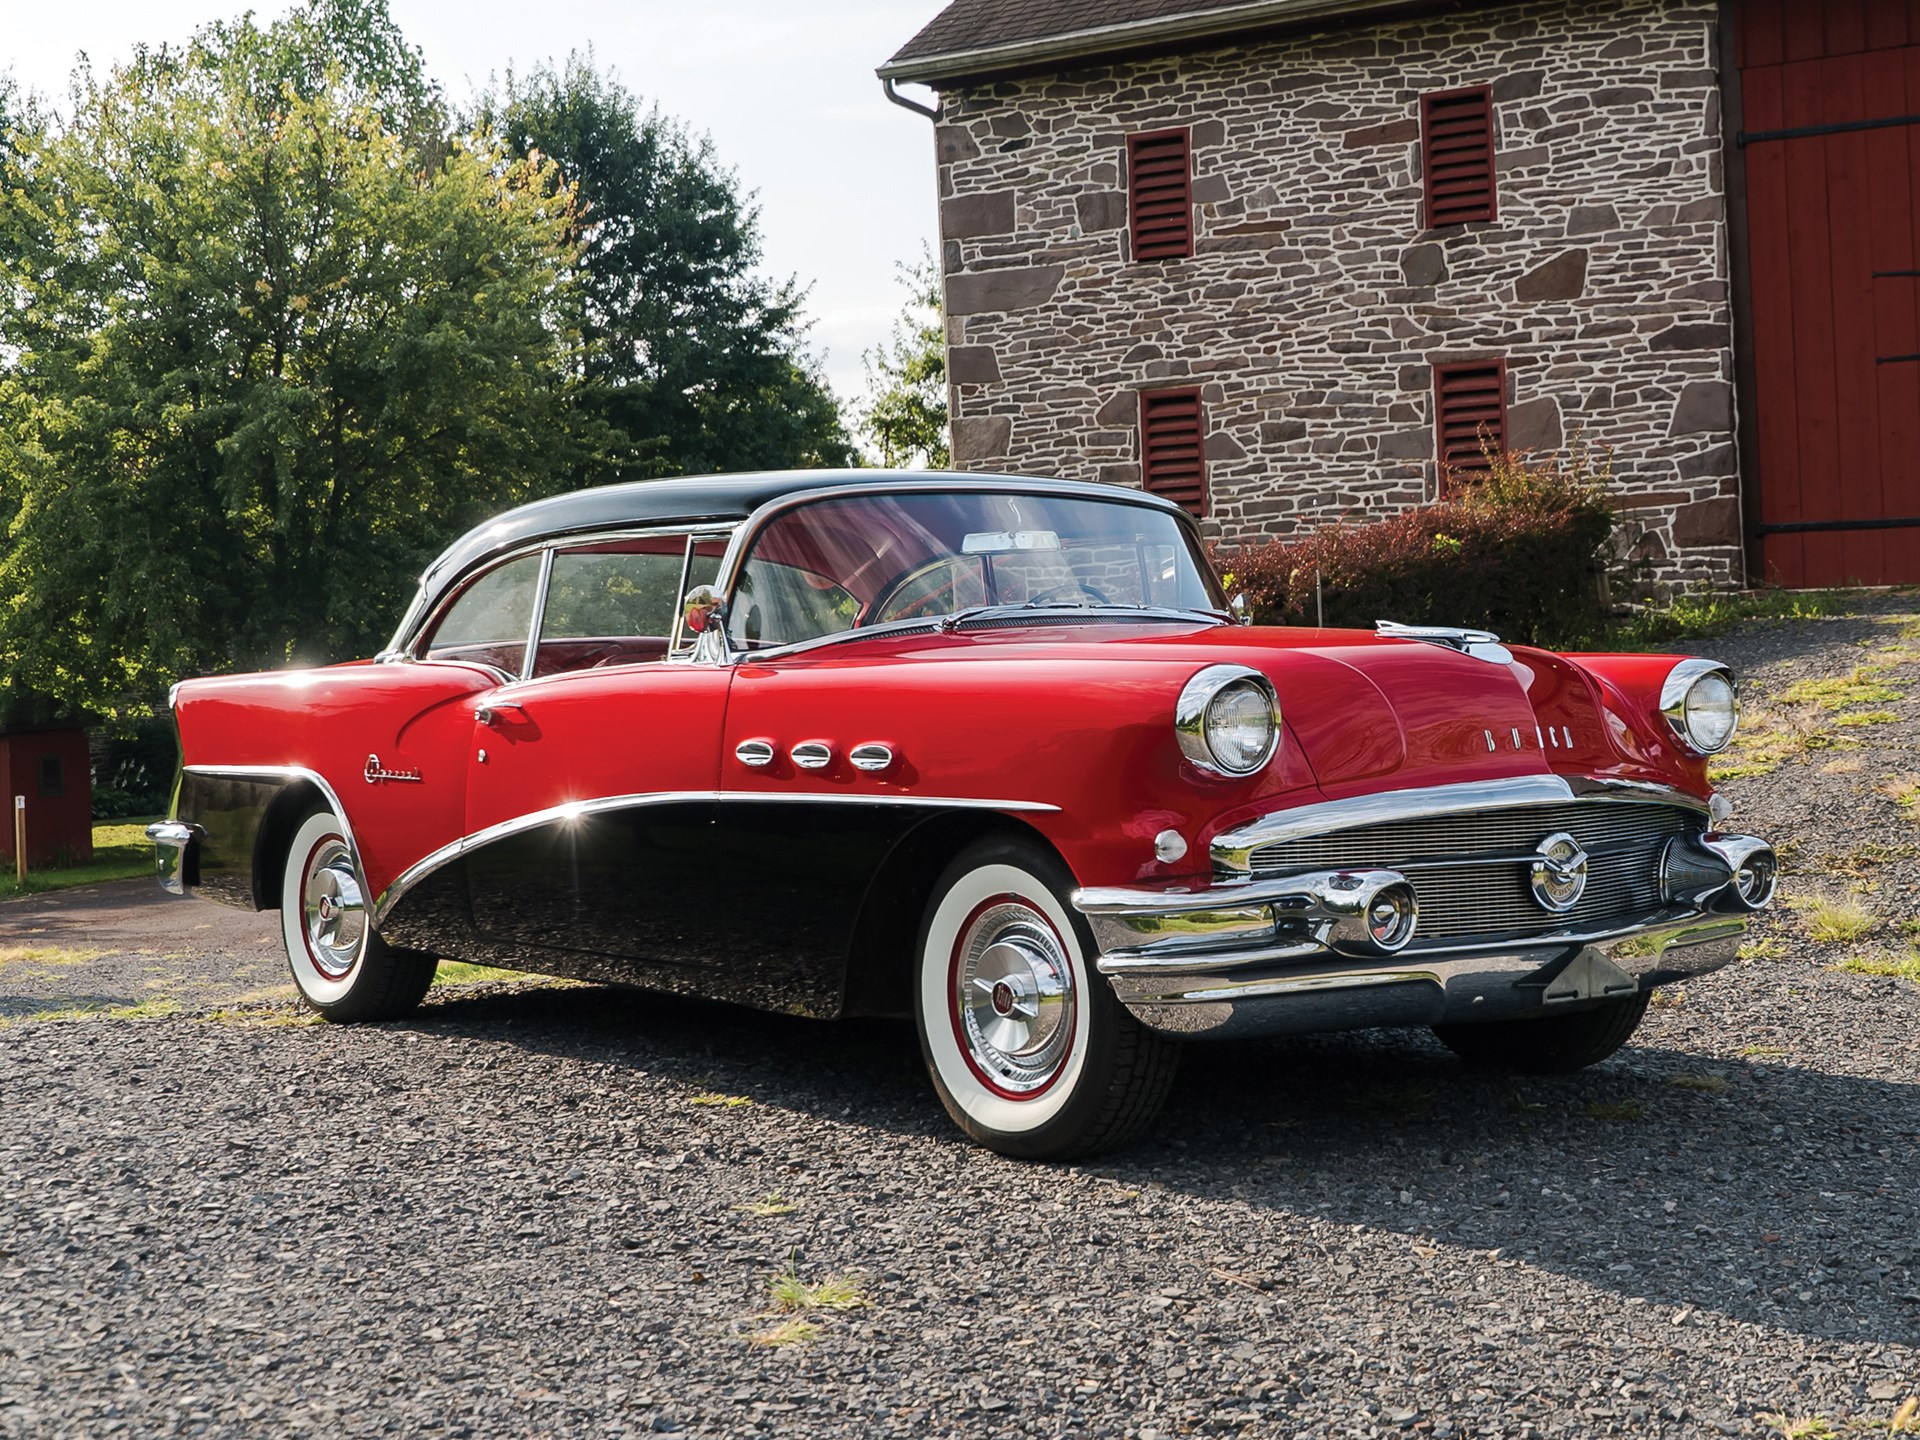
x: 1520, y: 553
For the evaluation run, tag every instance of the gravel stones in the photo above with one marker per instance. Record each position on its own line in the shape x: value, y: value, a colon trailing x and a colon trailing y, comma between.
x: 509, y: 1216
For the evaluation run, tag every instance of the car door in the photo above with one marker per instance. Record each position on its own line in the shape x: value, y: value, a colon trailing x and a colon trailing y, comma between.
x: 590, y: 792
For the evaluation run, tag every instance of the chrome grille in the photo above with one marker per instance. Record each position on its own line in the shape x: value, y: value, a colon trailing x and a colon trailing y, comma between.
x: 1461, y: 899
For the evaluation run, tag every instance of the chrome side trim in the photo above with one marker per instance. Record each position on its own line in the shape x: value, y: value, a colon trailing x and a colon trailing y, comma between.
x: 574, y: 809
x: 290, y: 773
x: 1232, y: 849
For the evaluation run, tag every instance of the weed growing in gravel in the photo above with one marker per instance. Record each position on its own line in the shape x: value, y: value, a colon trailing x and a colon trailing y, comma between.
x: 1615, y: 1110
x: 42, y: 958
x: 1700, y: 1084
x: 724, y: 1102
x: 1865, y: 686
x: 1842, y: 767
x: 1866, y: 717
x: 768, y: 1205
x: 1903, y: 790
x: 1772, y: 948
x: 145, y: 1010
x: 1906, y: 1420
x: 264, y: 1018
x: 1695, y: 613
x: 1756, y: 1052
x: 1805, y: 1427
x: 1771, y: 737
x: 836, y: 1292
x: 1836, y: 921
x: 1669, y: 997
x: 461, y: 972
x: 788, y: 1332
x: 1904, y: 967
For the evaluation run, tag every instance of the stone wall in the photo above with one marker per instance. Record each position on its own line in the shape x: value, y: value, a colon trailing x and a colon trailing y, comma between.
x: 1315, y: 304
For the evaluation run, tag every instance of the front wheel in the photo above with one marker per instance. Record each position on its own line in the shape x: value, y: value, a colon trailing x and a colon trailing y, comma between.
x: 344, y: 970
x: 1552, y: 1045
x: 1028, y: 1048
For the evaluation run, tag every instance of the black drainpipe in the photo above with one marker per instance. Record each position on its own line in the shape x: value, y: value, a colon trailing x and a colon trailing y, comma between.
x: 905, y: 104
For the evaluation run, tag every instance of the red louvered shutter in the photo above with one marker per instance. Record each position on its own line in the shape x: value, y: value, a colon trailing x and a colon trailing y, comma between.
x: 1456, y: 155
x: 1172, y: 458
x: 1160, y: 195
x: 1470, y: 417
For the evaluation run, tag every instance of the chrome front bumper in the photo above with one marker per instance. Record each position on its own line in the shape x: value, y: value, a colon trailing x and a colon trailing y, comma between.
x: 1292, y: 955
x: 173, y: 842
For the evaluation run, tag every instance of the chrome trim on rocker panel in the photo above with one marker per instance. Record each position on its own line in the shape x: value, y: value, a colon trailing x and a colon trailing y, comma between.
x: 1232, y: 849
x: 574, y: 809
x: 291, y: 773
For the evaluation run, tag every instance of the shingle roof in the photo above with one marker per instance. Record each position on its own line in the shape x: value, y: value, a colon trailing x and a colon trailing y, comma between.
x: 972, y: 37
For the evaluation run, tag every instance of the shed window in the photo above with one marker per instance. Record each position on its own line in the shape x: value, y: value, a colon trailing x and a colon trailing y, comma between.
x: 1470, y: 413
x: 53, y: 777
x: 1160, y: 194
x: 1172, y: 455
x: 1456, y: 155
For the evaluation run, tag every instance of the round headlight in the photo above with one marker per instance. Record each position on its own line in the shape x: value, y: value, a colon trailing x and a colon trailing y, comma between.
x: 1228, y: 720
x: 1701, y: 705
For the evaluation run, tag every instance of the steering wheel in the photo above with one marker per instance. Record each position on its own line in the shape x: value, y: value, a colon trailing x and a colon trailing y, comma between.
x: 1093, y: 593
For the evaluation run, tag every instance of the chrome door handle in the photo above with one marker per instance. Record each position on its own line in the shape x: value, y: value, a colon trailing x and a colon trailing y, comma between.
x: 489, y: 714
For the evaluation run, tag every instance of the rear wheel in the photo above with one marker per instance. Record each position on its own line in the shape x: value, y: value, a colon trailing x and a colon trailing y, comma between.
x: 343, y: 969
x: 1028, y: 1048
x: 1553, y: 1045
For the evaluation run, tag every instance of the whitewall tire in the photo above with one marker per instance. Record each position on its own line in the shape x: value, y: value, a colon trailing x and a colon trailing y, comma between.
x: 1029, y: 1051
x: 342, y: 968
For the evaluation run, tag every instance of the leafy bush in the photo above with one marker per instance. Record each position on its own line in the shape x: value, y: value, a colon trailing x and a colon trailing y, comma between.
x: 1522, y: 552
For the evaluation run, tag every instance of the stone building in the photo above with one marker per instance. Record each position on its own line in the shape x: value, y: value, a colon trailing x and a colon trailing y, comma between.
x: 1281, y: 259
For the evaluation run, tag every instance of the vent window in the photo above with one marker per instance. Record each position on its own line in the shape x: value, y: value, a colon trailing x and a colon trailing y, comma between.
x: 1456, y: 155
x: 1470, y: 410
x: 1172, y: 460
x: 1160, y: 195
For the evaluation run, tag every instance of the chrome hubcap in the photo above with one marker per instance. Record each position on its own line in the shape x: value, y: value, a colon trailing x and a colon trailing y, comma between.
x: 1013, y: 995
x: 336, y: 918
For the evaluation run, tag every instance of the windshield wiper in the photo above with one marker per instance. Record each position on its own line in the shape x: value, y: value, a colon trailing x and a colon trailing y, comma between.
x: 950, y: 623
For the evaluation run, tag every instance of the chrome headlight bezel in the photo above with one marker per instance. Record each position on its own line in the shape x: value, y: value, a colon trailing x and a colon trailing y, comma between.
x: 1676, y: 695
x: 1192, y: 715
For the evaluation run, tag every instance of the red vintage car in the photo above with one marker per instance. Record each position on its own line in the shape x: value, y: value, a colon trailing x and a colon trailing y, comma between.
x: 986, y: 751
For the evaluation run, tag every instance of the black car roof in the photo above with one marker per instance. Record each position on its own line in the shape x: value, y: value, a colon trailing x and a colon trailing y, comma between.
x: 719, y: 499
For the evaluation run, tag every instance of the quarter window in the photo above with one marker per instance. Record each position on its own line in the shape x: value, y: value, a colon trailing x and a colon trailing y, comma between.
x: 490, y: 622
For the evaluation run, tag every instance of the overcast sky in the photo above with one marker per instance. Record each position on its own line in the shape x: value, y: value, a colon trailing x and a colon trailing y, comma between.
x: 844, y: 180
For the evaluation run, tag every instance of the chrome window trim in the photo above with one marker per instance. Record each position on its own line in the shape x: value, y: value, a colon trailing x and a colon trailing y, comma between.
x: 289, y: 773
x: 407, y: 640
x: 528, y: 655
x: 573, y: 809
x: 1232, y: 849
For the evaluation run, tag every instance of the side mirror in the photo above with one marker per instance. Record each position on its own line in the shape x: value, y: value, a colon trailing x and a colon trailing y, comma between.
x: 704, y: 608
x: 1242, y: 611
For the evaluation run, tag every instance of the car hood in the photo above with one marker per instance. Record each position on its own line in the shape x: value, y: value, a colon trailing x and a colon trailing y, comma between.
x: 1362, y: 707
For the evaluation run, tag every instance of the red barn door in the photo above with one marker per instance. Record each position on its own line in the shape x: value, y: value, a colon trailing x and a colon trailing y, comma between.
x: 1831, y: 135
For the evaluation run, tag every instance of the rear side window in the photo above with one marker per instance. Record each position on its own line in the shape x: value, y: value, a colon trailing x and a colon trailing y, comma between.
x: 490, y: 623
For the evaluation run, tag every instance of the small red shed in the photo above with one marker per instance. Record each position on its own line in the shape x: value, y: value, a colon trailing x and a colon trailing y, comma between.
x: 49, y: 765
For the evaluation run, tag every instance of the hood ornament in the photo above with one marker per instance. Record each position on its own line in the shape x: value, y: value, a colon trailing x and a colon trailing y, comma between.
x: 1481, y: 644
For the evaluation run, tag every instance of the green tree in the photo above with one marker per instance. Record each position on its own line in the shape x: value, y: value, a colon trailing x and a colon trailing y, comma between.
x: 694, y: 360
x: 275, y: 341
x: 905, y: 416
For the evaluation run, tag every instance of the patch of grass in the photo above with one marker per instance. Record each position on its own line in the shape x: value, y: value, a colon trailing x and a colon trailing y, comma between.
x: 1772, y: 948
x: 1835, y: 922
x: 461, y: 972
x: 121, y: 851
x: 1906, y: 1419
x: 1698, y: 613
x: 43, y: 957
x: 836, y: 1292
x: 1904, y: 967
x: 283, y: 1018
x: 1615, y: 1110
x: 1669, y: 997
x: 1866, y: 717
x: 1843, y: 692
x: 724, y: 1102
x: 789, y: 1332
x: 1700, y: 1084
x: 1805, y: 1427
x: 767, y: 1206
x: 1772, y: 736
x: 145, y: 1010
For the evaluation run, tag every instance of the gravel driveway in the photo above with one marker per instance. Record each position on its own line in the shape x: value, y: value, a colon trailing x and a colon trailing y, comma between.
x: 551, y: 1210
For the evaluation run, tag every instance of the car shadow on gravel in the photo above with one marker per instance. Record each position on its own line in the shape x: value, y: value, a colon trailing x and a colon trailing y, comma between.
x: 1756, y: 1189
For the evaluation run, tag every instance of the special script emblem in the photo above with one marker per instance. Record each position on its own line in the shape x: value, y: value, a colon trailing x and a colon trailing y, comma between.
x: 375, y: 774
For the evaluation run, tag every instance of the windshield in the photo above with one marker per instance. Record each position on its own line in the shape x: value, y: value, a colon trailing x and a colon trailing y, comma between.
x: 838, y: 565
